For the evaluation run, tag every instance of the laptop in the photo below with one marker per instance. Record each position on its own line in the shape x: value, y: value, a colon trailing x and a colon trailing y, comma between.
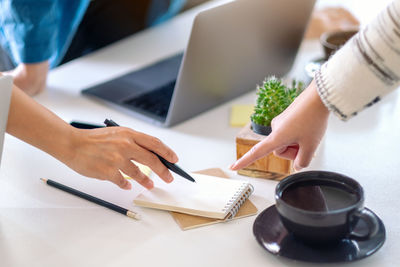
x: 231, y: 49
x: 6, y: 83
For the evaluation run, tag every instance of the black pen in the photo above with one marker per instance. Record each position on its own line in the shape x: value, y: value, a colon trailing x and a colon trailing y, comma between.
x: 173, y: 167
x: 129, y: 213
x: 85, y: 125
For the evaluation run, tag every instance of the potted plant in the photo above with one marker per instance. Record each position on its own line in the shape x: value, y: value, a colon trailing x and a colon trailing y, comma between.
x: 273, y: 97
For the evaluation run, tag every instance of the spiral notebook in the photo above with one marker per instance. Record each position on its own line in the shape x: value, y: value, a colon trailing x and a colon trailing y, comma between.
x: 210, y: 196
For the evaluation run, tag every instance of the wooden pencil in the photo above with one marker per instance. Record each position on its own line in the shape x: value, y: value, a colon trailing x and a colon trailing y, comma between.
x: 93, y: 199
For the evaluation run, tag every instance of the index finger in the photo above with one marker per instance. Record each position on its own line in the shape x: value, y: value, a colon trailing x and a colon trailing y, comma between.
x: 258, y: 151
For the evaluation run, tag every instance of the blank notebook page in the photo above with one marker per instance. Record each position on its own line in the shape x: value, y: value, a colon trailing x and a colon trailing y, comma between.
x: 210, y: 196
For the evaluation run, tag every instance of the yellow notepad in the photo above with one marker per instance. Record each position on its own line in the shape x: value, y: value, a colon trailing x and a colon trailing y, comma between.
x: 240, y: 115
x: 210, y: 196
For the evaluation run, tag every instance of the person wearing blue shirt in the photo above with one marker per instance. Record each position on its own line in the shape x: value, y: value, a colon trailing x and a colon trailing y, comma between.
x: 41, y: 34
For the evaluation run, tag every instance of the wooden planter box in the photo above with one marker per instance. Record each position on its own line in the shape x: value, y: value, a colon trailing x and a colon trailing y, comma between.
x: 269, y: 167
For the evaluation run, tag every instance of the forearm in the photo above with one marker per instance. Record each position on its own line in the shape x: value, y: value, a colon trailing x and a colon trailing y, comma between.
x: 365, y: 69
x: 36, y: 125
x: 98, y: 153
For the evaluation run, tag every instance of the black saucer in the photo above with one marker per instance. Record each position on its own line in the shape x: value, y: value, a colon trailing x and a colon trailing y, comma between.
x: 273, y: 236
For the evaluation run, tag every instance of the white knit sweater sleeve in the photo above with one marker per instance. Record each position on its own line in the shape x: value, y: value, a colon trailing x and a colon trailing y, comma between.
x: 365, y: 69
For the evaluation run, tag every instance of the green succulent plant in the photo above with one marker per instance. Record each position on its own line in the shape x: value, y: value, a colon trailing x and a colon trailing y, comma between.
x: 273, y: 98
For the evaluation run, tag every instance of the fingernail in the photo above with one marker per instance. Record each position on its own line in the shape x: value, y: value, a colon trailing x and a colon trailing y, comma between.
x: 128, y: 186
x: 175, y: 158
x: 149, y: 184
x: 232, y: 167
x: 170, y: 178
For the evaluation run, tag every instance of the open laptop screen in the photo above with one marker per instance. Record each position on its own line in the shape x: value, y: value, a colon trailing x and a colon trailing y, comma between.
x: 5, y: 95
x: 232, y: 47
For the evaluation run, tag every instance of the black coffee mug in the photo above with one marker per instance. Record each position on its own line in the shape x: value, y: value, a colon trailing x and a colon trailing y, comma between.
x: 321, y: 207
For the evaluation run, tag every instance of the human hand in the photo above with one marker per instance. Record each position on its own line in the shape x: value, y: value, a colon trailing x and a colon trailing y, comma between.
x: 30, y: 78
x: 102, y: 153
x: 296, y: 132
x: 99, y: 153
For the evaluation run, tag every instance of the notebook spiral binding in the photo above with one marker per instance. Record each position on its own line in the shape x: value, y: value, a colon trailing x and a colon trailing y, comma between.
x: 238, y: 199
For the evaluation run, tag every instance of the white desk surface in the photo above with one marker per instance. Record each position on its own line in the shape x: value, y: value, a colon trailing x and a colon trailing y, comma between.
x: 42, y: 226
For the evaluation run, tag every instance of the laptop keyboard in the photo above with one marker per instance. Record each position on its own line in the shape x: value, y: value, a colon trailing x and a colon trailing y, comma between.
x: 155, y: 102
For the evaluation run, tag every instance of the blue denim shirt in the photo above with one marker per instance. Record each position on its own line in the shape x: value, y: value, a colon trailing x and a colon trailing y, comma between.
x: 38, y: 30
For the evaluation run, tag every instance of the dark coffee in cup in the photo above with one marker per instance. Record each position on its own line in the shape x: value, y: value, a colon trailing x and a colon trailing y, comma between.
x: 314, y: 196
x: 321, y: 207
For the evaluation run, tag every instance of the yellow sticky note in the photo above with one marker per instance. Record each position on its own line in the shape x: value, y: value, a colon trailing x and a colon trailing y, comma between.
x: 240, y: 115
x: 143, y: 168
